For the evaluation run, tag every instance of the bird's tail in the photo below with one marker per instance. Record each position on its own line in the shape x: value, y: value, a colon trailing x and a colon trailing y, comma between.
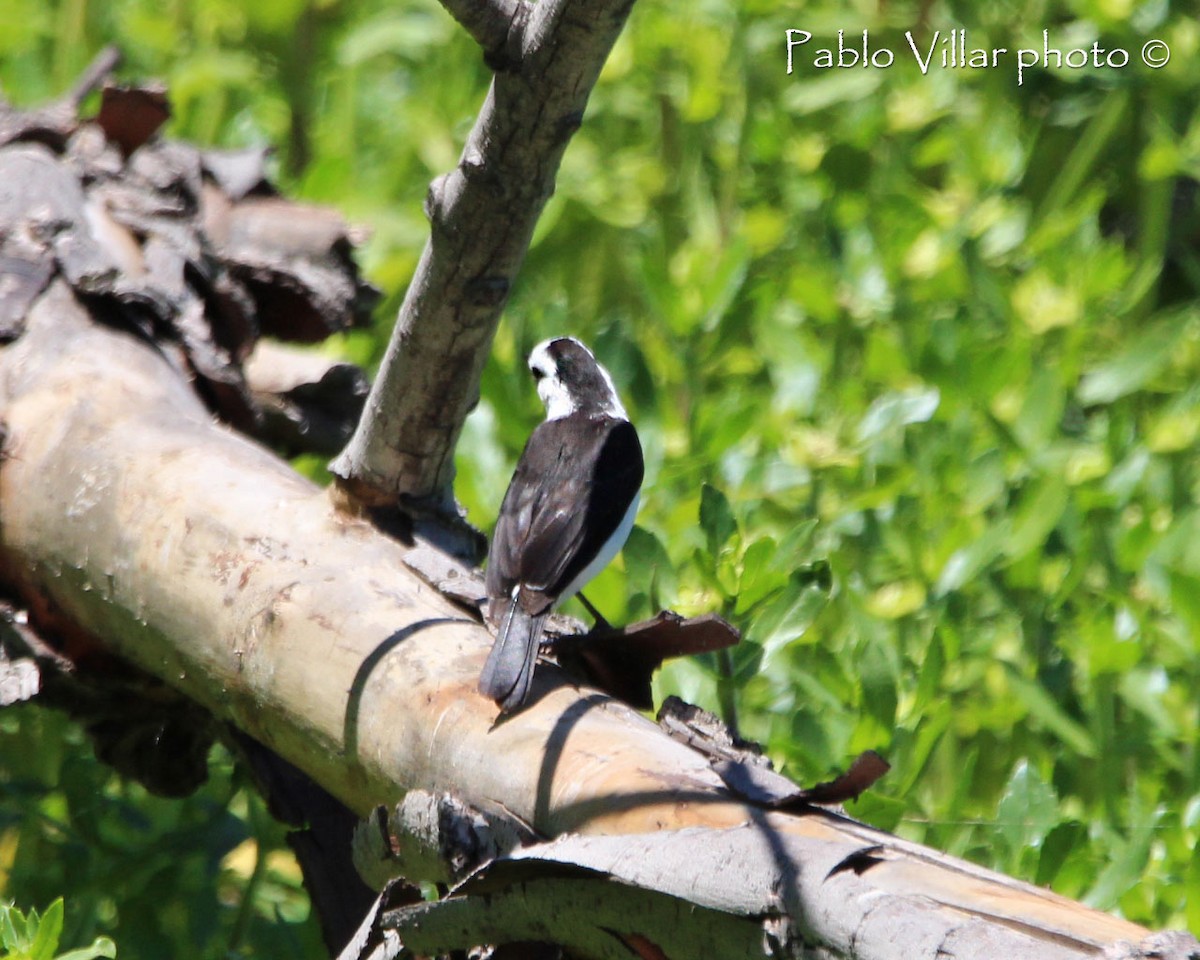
x: 508, y: 672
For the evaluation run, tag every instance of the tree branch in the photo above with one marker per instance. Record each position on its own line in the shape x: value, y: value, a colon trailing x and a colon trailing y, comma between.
x: 495, y: 24
x: 482, y: 217
x: 104, y: 63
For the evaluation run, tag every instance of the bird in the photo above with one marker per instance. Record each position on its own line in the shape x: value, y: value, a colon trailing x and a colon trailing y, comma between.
x: 567, y: 512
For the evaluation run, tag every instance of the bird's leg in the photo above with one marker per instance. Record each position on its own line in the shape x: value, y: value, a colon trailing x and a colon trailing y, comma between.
x: 601, y: 624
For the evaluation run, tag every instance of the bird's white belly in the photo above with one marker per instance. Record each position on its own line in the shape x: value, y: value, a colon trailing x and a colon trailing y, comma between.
x: 607, y: 552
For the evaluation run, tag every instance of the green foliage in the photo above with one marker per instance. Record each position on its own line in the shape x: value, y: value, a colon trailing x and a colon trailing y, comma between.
x: 913, y: 357
x: 36, y: 937
x: 210, y: 875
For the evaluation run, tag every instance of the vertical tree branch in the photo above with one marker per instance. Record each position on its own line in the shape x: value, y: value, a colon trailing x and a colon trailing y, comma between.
x: 482, y: 216
x: 492, y: 23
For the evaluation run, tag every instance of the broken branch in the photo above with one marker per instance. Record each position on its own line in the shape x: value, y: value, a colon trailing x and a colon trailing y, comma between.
x: 482, y: 216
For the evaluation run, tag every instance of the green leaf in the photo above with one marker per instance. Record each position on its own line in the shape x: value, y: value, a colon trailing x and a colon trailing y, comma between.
x: 1131, y: 369
x: 967, y: 562
x: 896, y: 410
x: 100, y: 947
x: 1184, y: 592
x: 1125, y: 869
x: 49, y: 930
x: 761, y: 574
x: 1059, y: 844
x: 877, y: 673
x: 789, y: 616
x: 648, y: 567
x: 725, y: 282
x: 1041, y: 411
x: 1039, y: 514
x: 1028, y: 810
x: 895, y: 600
x: 1142, y: 689
x: 1043, y: 708
x: 821, y: 89
x: 883, y: 812
x: 933, y: 727
x: 716, y: 518
x: 798, y: 541
x: 932, y: 675
x: 398, y: 34
x: 1179, y: 547
x: 11, y: 920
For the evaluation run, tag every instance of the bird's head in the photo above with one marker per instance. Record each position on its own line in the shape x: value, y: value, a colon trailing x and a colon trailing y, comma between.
x: 569, y: 380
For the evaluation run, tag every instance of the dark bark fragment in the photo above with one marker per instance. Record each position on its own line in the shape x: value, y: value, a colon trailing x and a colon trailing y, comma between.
x: 189, y: 251
x: 129, y: 116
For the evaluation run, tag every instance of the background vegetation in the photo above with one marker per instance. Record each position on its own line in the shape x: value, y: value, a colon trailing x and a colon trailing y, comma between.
x: 914, y: 359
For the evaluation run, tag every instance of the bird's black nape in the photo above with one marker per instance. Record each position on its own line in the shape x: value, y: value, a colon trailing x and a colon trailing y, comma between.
x: 570, y: 380
x: 583, y: 377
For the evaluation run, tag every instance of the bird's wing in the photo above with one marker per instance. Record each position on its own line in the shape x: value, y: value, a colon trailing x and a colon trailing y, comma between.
x: 615, y: 484
x: 573, y: 485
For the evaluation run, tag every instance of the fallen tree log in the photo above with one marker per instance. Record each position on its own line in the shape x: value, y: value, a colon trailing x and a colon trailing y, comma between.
x: 133, y: 523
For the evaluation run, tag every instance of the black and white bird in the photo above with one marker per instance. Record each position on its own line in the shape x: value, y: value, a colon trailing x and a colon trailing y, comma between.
x: 568, y: 510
